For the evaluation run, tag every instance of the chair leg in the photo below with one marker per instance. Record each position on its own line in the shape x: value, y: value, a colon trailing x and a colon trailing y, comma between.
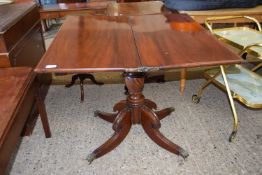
x: 235, y: 126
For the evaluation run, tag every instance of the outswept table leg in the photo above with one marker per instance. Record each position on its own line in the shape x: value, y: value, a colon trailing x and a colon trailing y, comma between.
x: 109, y: 117
x: 151, y: 125
x: 135, y: 110
x: 164, y: 113
x: 121, y: 127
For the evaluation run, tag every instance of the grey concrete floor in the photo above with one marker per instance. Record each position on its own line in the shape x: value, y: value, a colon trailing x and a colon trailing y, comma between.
x: 202, y: 129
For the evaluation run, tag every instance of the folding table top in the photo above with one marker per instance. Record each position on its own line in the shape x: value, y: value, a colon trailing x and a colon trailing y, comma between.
x: 135, y: 43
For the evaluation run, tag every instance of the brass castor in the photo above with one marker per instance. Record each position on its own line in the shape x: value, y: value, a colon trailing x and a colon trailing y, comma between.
x: 195, y: 99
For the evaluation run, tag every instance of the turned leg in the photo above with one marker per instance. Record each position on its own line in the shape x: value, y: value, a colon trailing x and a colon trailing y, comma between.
x: 151, y: 125
x: 183, y: 81
x: 121, y: 127
x: 105, y: 116
x: 122, y: 104
x: 164, y: 113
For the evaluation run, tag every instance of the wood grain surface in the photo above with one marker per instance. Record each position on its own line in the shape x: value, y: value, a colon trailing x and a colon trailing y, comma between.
x: 14, y: 82
x: 90, y: 44
x: 176, y: 41
x: 133, y: 43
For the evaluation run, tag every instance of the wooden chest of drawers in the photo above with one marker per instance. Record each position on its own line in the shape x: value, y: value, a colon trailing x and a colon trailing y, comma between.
x: 21, y: 41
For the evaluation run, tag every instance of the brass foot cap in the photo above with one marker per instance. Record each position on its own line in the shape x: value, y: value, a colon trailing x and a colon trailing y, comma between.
x: 91, y: 157
x: 183, y: 153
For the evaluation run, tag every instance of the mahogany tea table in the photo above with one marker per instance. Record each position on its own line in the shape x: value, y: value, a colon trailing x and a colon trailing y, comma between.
x: 133, y: 45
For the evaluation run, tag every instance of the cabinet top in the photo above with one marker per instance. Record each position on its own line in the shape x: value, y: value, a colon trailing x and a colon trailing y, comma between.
x: 11, y: 13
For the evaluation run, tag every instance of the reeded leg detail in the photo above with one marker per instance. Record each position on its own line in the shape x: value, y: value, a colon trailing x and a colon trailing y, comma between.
x: 135, y: 110
x: 121, y: 127
x: 149, y: 120
x: 119, y: 106
x: 150, y: 104
x: 122, y: 104
x: 164, y: 113
x: 109, y: 117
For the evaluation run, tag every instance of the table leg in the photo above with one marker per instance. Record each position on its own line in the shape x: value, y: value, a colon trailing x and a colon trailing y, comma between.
x: 183, y: 80
x: 135, y: 110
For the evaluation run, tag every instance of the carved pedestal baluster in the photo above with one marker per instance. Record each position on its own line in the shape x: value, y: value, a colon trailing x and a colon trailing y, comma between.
x: 135, y: 110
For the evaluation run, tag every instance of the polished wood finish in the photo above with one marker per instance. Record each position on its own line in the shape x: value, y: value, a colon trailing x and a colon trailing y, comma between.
x: 134, y: 45
x: 183, y: 80
x: 161, y: 42
x: 21, y: 42
x: 16, y: 100
x: 134, y: 8
x: 176, y: 41
x: 89, y: 44
x: 63, y: 9
x: 135, y: 111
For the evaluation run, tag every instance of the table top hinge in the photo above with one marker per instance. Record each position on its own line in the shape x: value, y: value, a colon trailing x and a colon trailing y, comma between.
x: 147, y: 69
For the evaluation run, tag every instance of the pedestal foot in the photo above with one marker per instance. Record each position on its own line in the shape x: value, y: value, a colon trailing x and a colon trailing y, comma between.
x: 105, y: 116
x: 164, y: 113
x: 121, y: 127
x: 149, y: 121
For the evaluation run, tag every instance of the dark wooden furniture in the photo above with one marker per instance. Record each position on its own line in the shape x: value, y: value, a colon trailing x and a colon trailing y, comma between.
x: 17, y: 96
x: 54, y: 11
x: 134, y: 8
x: 21, y: 42
x: 133, y: 45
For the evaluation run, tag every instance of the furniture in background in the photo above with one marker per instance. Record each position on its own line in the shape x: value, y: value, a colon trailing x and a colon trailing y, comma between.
x: 54, y: 11
x: 21, y: 43
x: 245, y: 84
x: 17, y: 96
x: 81, y: 78
x: 202, y: 15
x: 134, y: 45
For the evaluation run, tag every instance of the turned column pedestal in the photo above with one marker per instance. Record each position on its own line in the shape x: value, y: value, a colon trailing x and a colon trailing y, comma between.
x: 135, y: 110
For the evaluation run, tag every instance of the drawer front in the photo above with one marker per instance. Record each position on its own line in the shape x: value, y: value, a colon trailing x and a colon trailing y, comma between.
x: 29, y: 51
x: 13, y: 35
